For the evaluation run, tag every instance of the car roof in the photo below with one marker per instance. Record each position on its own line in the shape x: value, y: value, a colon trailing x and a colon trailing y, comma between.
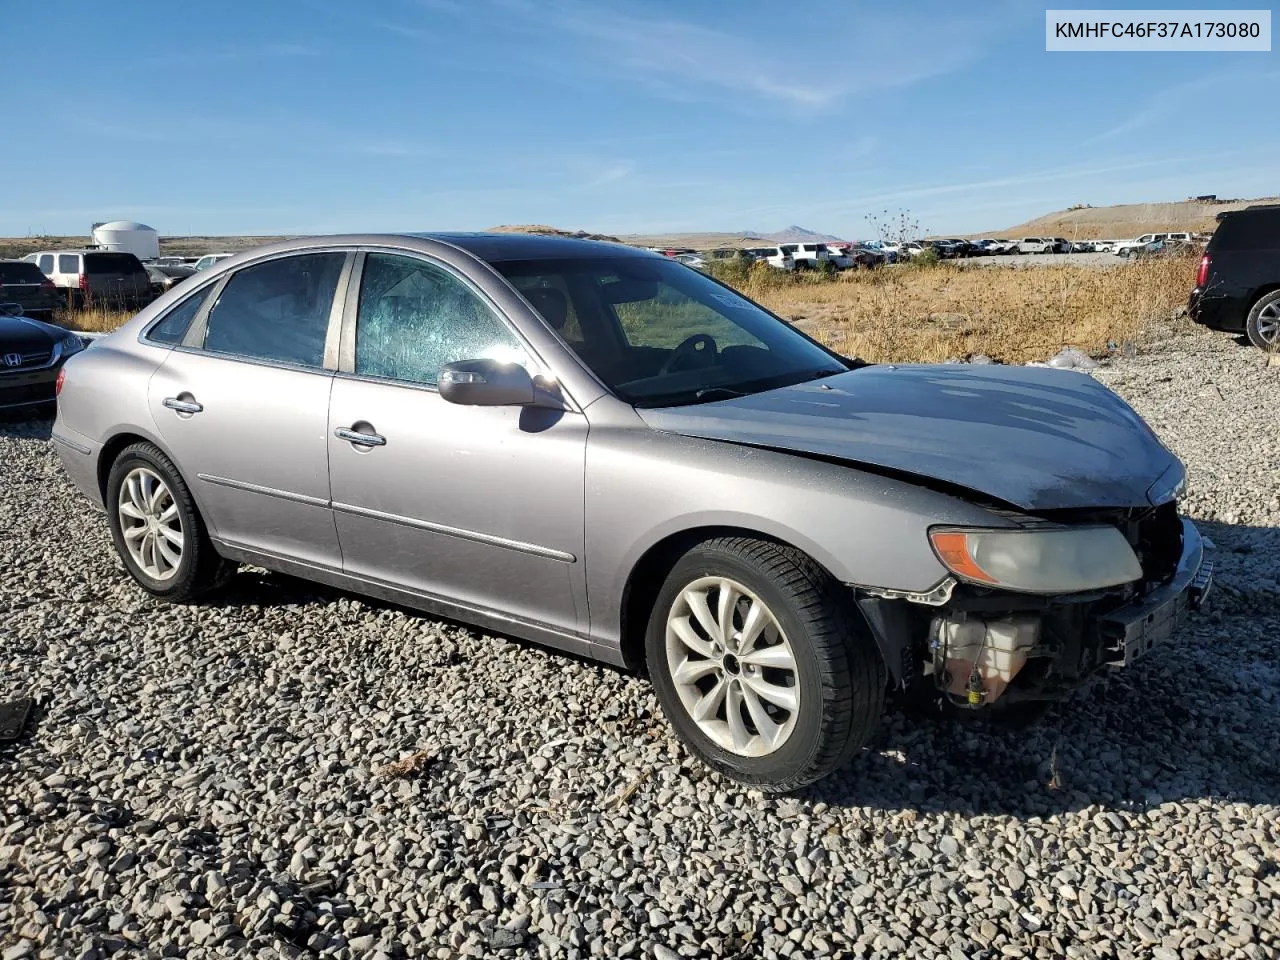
x: 80, y: 250
x: 532, y: 246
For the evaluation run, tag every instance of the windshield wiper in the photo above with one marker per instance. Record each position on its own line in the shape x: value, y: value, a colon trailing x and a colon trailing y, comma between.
x: 717, y: 393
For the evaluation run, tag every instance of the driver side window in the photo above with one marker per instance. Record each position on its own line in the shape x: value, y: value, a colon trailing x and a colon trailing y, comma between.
x: 415, y: 317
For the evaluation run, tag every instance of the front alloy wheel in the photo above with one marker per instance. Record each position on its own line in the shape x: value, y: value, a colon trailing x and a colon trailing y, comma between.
x: 733, y: 667
x: 762, y: 663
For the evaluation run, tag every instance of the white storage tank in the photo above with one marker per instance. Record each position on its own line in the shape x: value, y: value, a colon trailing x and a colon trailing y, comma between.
x: 128, y: 236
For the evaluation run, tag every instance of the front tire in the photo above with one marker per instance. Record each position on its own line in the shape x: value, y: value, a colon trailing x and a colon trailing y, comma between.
x: 1263, y: 324
x: 762, y: 664
x: 157, y: 530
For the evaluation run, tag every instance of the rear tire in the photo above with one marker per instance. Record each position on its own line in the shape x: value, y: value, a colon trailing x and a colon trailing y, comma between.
x: 1263, y: 324
x: 157, y: 529
x: 807, y: 686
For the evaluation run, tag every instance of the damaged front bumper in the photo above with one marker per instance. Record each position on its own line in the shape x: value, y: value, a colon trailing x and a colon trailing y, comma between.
x: 978, y: 646
x: 1137, y: 627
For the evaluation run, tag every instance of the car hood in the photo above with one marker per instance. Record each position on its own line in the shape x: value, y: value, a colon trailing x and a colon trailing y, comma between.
x: 24, y: 335
x: 1033, y: 437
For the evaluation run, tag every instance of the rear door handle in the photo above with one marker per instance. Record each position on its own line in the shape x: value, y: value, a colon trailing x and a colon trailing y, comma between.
x: 183, y: 406
x: 361, y: 439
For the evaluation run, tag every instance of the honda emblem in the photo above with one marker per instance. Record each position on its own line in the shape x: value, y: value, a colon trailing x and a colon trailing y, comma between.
x: 13, y: 359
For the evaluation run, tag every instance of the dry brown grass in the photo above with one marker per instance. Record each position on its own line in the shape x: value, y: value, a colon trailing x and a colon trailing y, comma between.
x: 92, y: 319
x: 1011, y: 314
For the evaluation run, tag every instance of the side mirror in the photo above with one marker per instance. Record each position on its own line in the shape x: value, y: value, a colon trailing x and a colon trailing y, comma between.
x: 486, y: 383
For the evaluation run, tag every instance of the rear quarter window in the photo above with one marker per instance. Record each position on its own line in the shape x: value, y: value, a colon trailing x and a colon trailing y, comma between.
x: 173, y: 327
x: 20, y: 273
x: 112, y: 263
x: 68, y: 263
x: 1249, y: 230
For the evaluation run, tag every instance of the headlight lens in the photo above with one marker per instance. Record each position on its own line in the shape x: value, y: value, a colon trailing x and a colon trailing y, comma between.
x: 1038, y: 561
x: 1172, y: 485
x: 69, y: 344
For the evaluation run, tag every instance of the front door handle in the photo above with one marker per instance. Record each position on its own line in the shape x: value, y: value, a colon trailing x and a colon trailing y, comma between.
x: 183, y: 406
x: 361, y: 439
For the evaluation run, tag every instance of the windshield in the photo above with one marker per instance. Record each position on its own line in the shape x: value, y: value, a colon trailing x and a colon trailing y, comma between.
x: 657, y: 333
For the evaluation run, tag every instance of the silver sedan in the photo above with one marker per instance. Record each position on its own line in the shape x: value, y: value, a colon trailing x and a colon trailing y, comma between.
x: 604, y: 451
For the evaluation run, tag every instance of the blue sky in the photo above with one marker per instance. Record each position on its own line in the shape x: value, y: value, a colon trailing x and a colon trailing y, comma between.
x: 316, y: 116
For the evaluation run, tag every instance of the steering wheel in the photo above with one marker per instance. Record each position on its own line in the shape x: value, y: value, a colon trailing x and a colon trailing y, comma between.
x: 700, y: 347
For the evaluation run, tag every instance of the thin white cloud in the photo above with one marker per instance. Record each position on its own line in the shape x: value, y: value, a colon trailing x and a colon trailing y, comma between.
x: 608, y: 174
x: 1178, y: 99
x: 794, y: 69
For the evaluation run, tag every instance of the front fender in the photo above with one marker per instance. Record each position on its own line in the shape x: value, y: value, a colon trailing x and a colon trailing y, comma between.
x: 644, y: 486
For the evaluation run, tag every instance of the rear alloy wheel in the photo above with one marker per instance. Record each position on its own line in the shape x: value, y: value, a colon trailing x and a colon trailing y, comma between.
x: 150, y: 524
x: 762, y: 664
x: 1263, y: 325
x: 156, y: 528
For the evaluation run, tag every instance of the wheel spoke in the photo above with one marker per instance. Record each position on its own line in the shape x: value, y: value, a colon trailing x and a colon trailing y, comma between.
x: 145, y: 491
x: 753, y: 625
x: 784, y: 697
x: 760, y: 717
x: 134, y: 533
x: 173, y: 536
x: 170, y: 513
x: 134, y: 488
x: 149, y: 554
x: 777, y: 657
x: 132, y: 512
x: 683, y: 629
x: 697, y: 601
x: 170, y: 556
x: 726, y: 602
x: 693, y: 670
x: 738, y: 731
x: 709, y: 702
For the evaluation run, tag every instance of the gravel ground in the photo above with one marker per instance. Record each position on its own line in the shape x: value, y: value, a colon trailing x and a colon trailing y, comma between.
x: 291, y: 771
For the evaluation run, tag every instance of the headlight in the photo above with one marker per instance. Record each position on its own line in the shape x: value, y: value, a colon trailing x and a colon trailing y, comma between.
x: 1038, y: 561
x: 68, y: 345
x: 1171, y: 485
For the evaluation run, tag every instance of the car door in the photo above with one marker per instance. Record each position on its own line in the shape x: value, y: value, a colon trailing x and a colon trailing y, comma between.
x: 479, y: 506
x: 242, y: 404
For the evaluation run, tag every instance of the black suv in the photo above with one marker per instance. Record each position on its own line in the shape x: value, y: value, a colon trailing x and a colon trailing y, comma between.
x: 1238, y: 284
x: 23, y: 283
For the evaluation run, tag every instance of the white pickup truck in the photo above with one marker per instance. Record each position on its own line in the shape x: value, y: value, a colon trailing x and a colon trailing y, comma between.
x: 1127, y: 248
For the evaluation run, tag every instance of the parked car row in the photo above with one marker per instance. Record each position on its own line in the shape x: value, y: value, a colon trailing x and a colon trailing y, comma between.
x: 47, y: 280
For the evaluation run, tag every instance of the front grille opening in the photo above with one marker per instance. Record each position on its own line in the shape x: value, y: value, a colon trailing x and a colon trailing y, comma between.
x: 1159, y: 542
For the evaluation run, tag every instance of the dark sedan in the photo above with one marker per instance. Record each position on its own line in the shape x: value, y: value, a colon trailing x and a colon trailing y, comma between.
x: 31, y: 354
x: 164, y: 276
x: 23, y: 283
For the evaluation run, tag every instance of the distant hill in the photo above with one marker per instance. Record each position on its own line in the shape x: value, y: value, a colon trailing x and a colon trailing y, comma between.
x: 1127, y: 220
x: 795, y: 234
x: 711, y: 240
x: 543, y: 230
